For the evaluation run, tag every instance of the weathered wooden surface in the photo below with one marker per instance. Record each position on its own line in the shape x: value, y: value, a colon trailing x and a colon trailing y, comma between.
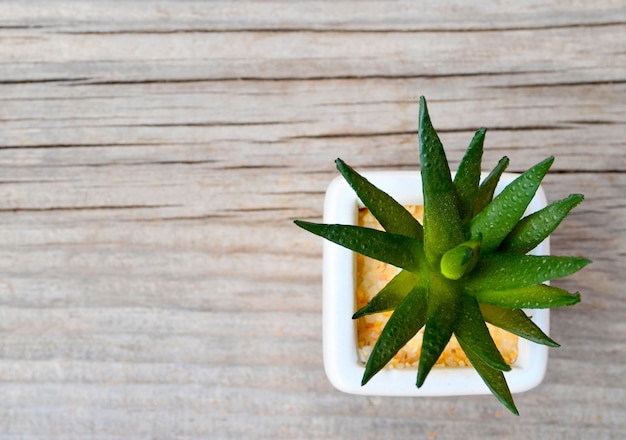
x: 153, y: 155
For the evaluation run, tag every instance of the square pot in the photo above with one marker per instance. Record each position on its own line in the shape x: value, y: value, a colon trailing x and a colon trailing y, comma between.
x: 341, y: 361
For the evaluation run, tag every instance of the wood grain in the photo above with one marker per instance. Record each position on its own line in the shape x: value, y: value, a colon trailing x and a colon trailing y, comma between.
x: 153, y: 155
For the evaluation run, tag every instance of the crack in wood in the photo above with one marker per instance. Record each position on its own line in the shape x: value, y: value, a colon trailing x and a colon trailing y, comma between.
x: 261, y: 209
x: 22, y: 27
x: 94, y: 145
x: 354, y: 135
x: 304, y: 78
x: 182, y: 218
x: 39, y: 81
x: 415, y: 132
x: 87, y: 208
x: 353, y: 30
x: 594, y: 122
x: 253, y: 167
x: 34, y: 181
x: 210, y: 124
x: 607, y: 82
x: 125, y: 164
x: 289, y: 193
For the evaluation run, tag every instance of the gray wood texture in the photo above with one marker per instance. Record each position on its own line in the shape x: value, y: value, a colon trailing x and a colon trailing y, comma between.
x: 154, y: 154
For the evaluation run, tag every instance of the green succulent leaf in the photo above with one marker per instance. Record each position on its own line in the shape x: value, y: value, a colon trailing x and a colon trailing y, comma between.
x: 403, y: 324
x: 488, y: 186
x: 535, y: 228
x: 391, y: 295
x: 391, y: 215
x: 540, y: 296
x: 441, y: 316
x: 509, y: 271
x: 472, y: 330
x: 442, y: 223
x: 467, y: 178
x: 494, y: 379
x: 515, y: 321
x: 398, y: 250
x: 500, y: 216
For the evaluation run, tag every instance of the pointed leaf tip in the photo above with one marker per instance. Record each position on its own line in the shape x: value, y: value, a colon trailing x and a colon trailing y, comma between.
x: 488, y: 186
x: 392, y: 216
x: 516, y: 322
x: 397, y: 250
x: 536, y: 227
x: 501, y: 215
x: 391, y: 295
x: 540, y: 296
x: 467, y: 178
x: 494, y: 379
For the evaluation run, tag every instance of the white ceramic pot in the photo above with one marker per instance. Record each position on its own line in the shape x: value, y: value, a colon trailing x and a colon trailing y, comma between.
x: 341, y: 362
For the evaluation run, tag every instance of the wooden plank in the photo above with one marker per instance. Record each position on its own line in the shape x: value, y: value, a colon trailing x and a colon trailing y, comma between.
x: 306, y: 55
x: 277, y: 15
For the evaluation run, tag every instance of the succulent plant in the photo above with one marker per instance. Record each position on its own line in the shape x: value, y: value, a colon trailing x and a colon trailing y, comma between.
x: 466, y: 266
